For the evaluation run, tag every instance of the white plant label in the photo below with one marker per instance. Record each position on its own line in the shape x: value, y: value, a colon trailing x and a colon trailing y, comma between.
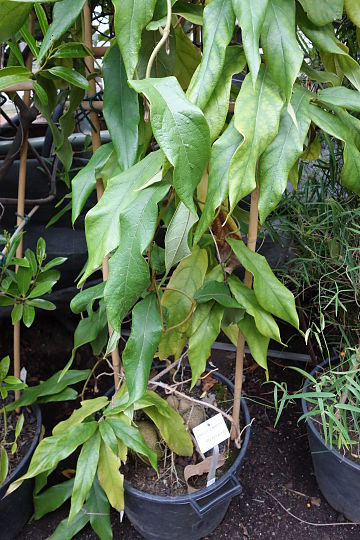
x: 211, y: 432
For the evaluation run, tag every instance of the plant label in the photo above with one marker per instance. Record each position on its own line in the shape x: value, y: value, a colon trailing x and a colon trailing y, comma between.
x: 211, y: 432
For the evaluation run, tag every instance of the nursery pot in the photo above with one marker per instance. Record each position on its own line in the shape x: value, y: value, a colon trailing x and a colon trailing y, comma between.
x: 337, y: 476
x: 191, y: 516
x: 17, y: 508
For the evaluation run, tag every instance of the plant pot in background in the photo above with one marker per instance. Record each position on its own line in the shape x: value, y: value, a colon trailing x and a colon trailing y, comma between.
x: 17, y: 508
x: 191, y: 516
x: 337, y: 476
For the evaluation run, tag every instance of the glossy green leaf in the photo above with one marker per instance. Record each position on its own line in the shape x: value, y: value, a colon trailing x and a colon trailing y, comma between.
x: 104, y: 219
x: 188, y: 56
x: 131, y: 17
x: 218, y: 28
x: 257, y: 115
x: 7, y: 301
x: 84, y: 183
x: 4, y: 464
x: 41, y: 304
x: 84, y: 299
x: 28, y: 315
x: 281, y: 155
x: 30, y: 40
x: 121, y: 108
x: 176, y: 237
x: 251, y: 15
x: 214, y: 290
x: 352, y: 8
x: 258, y: 344
x: 172, y: 430
x: 322, y: 11
x: 184, y: 282
x: 271, y: 294
x: 68, y: 394
x: 4, y: 367
x: 71, y: 76
x: 88, y: 407
x: 322, y: 37
x: 206, y: 324
x: 281, y: 50
x: 191, y: 12
x: 71, y: 50
x: 64, y: 531
x: 182, y: 132
x: 12, y: 17
x: 108, y: 436
x: 217, y: 107
x: 15, y: 51
x: 110, y: 478
x: 64, y: 15
x: 51, y: 499
x: 23, y: 279
x: 141, y: 346
x: 340, y: 97
x: 17, y: 313
x: 97, y: 506
x: 86, y: 468
x: 222, y: 153
x: 42, y: 18
x: 13, y: 75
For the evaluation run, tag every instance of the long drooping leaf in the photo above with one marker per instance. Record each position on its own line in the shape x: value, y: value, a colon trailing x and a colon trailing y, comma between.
x: 280, y: 156
x: 64, y: 531
x: 217, y: 107
x: 207, y: 329
x: 128, y: 270
x: 258, y: 344
x: 222, y: 153
x: 13, y: 75
x: 322, y: 11
x: 176, y: 237
x: 110, y: 478
x: 51, y: 499
x: 88, y: 407
x: 271, y: 294
x: 257, y: 115
x: 65, y: 14
x: 353, y: 11
x: 102, y: 223
x: 251, y: 15
x: 185, y: 281
x: 322, y: 37
x: 84, y: 183
x: 131, y: 17
x: 340, y: 97
x: 172, y: 430
x: 141, y: 346
x: 218, y: 28
x: 86, y: 468
x: 84, y: 300
x: 218, y: 291
x: 12, y: 17
x: 281, y: 50
x: 121, y: 108
x: 182, y: 132
x: 98, y: 507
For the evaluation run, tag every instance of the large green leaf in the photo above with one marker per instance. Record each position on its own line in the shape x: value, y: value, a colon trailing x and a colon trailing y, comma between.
x: 12, y: 17
x: 88, y: 407
x: 188, y: 56
x: 71, y: 76
x: 141, y: 346
x: 246, y: 298
x: 353, y: 11
x: 64, y: 15
x: 217, y: 107
x: 172, y: 430
x: 182, y: 132
x: 191, y: 12
x: 51, y: 499
x: 280, y: 156
x: 97, y: 506
x: 13, y: 75
x: 176, y: 237
x: 251, y: 15
x: 322, y: 37
x: 121, y: 108
x: 257, y: 115
x: 184, y: 282
x: 84, y: 183
x: 322, y: 11
x: 340, y: 97
x: 85, y: 473
x: 215, y: 290
x: 281, y: 50
x: 218, y: 28
x: 110, y: 478
x: 258, y: 344
x: 64, y: 531
x: 131, y: 17
x: 84, y: 299
x: 102, y: 223
x: 128, y: 270
x: 271, y: 294
x: 222, y: 153
x: 206, y: 324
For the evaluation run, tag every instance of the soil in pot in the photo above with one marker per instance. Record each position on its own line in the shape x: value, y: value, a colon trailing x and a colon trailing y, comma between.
x: 173, y: 469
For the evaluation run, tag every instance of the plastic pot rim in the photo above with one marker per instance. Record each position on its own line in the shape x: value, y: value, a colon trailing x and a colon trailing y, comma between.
x: 316, y: 432
x: 206, y: 491
x: 27, y: 457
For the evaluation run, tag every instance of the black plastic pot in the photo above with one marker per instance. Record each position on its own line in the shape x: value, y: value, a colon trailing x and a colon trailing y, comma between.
x: 337, y: 476
x: 17, y: 508
x: 193, y: 516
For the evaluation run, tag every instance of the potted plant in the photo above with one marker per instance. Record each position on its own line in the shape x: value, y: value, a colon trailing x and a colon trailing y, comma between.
x: 178, y: 164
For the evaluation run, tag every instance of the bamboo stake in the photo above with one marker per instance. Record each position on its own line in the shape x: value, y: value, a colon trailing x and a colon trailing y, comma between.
x: 21, y: 213
x: 96, y: 143
x: 248, y: 279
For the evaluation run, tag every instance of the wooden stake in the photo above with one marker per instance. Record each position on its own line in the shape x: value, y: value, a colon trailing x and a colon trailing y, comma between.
x: 240, y: 349
x: 96, y: 143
